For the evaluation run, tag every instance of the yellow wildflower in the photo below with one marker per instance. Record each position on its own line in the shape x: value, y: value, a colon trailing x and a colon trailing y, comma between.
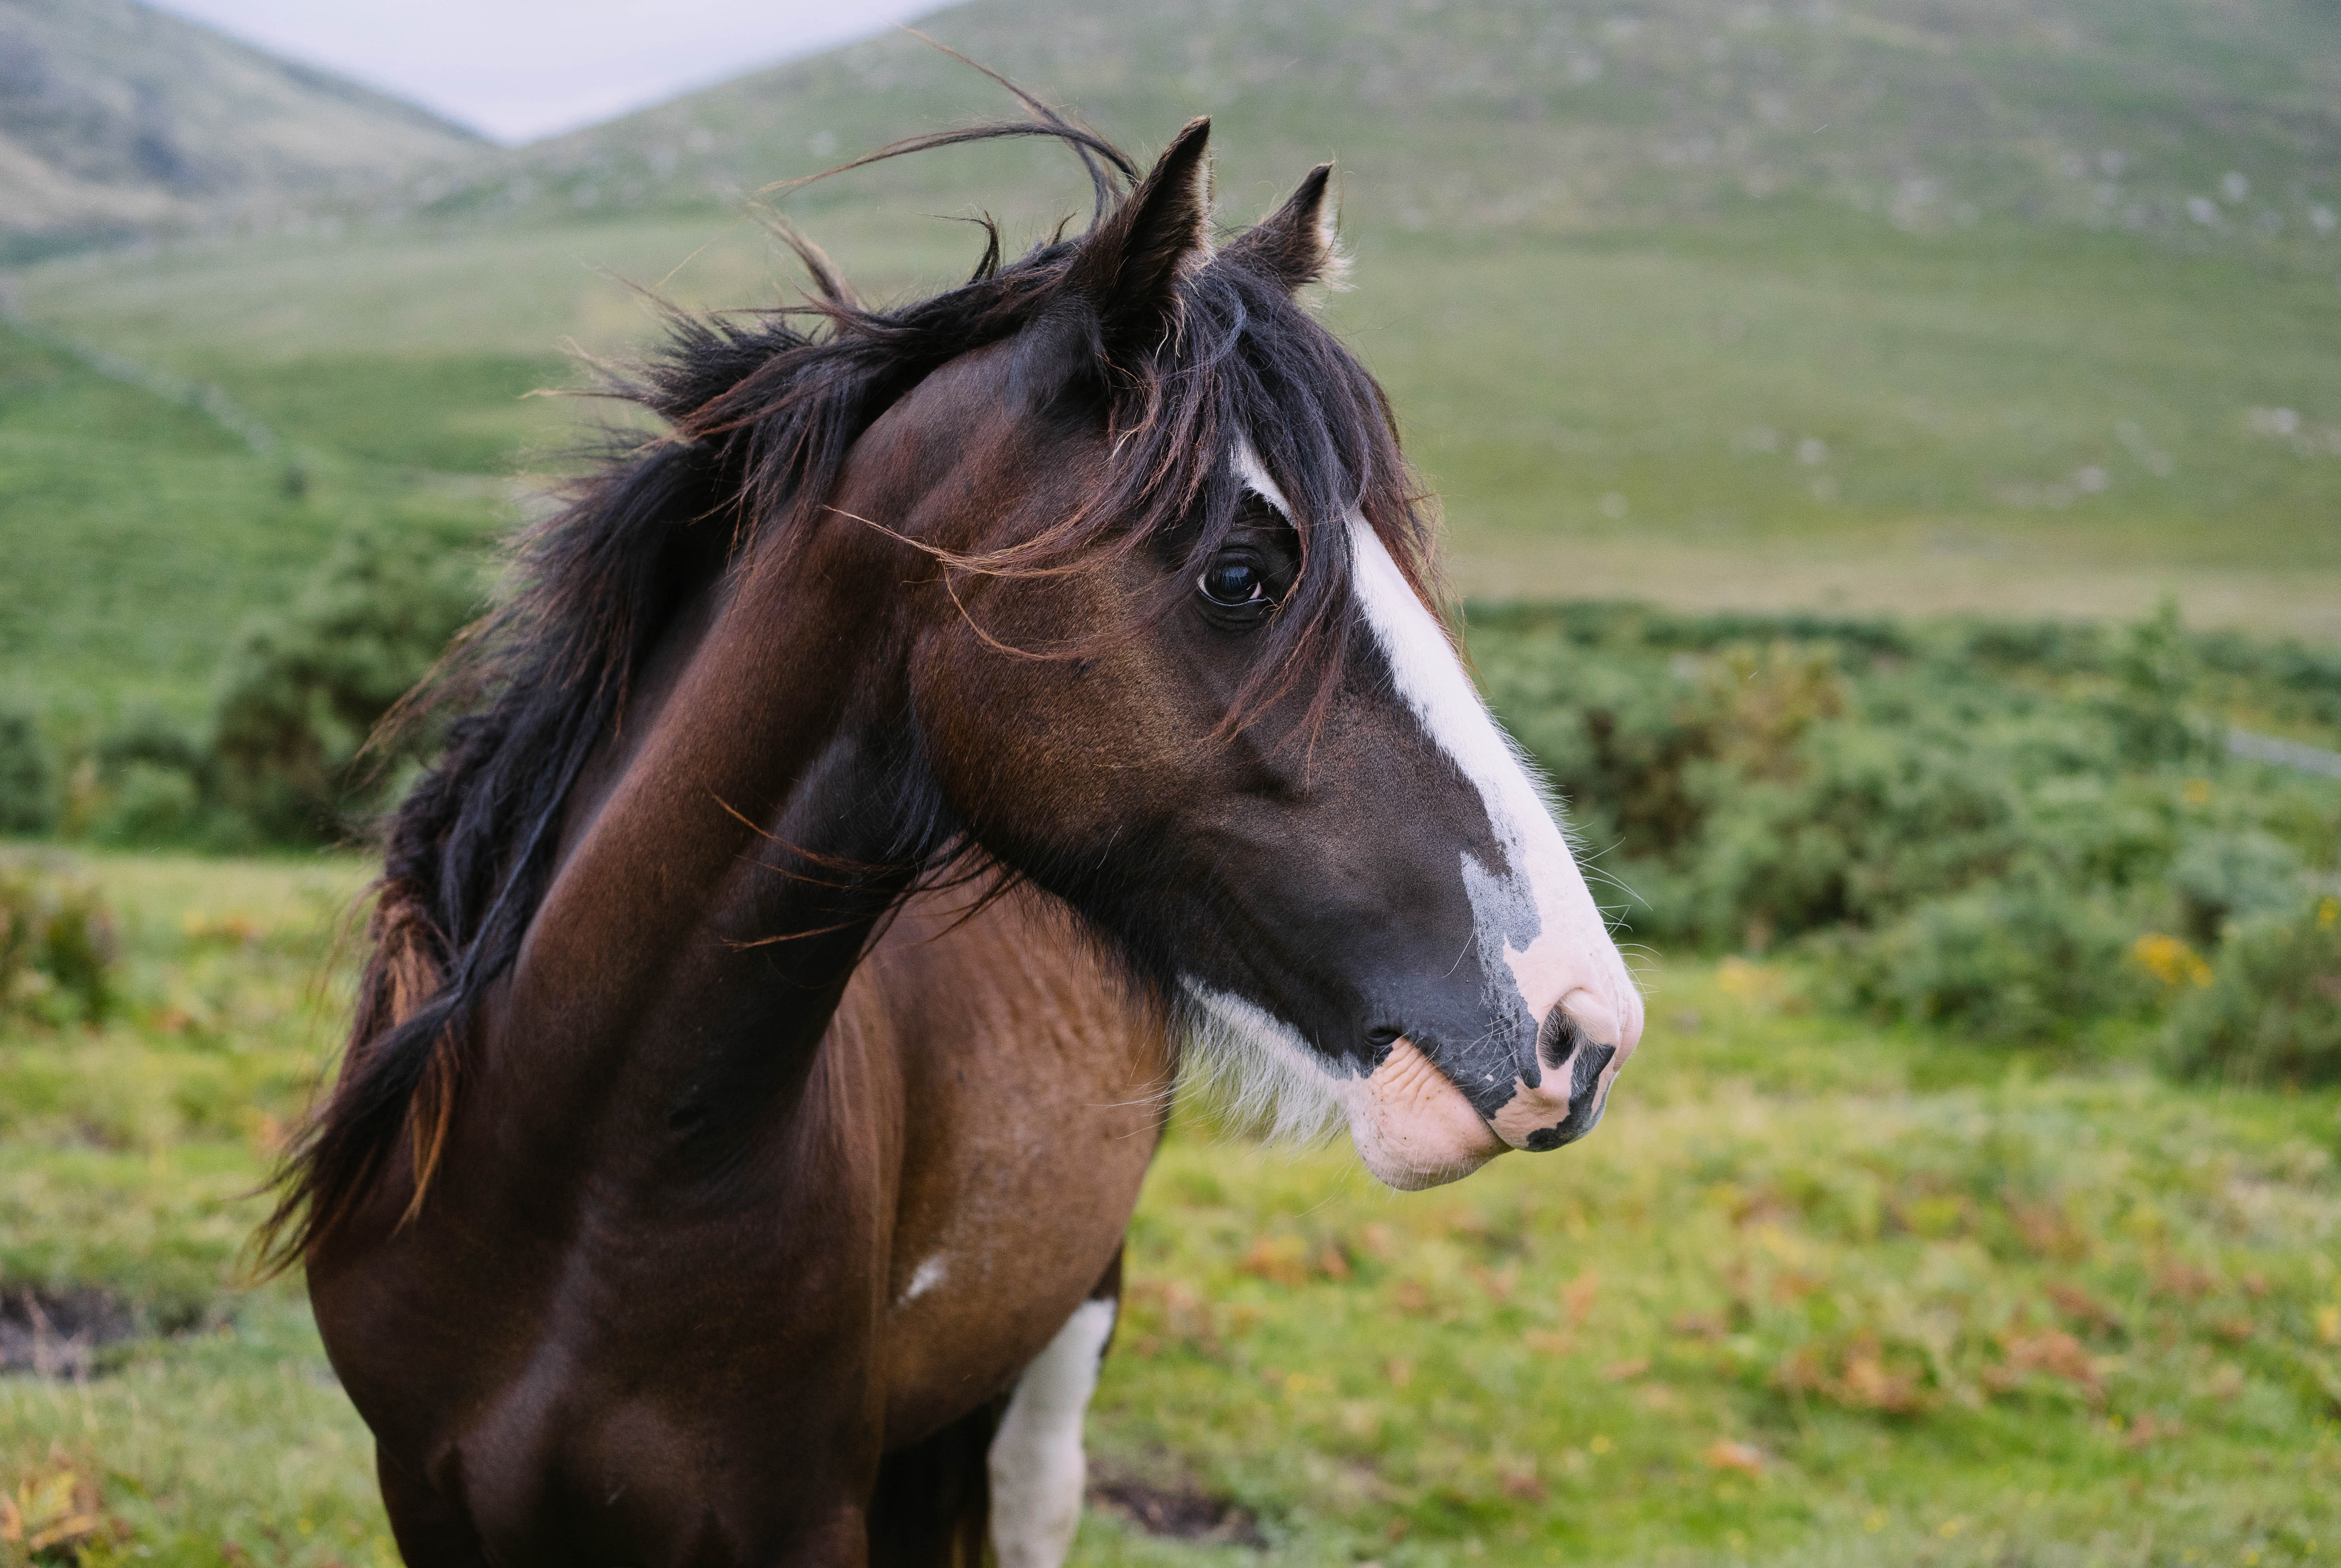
x: 2170, y: 960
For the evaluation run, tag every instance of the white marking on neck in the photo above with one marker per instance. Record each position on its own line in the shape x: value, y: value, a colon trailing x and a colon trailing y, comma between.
x: 925, y: 1277
x: 1038, y: 1468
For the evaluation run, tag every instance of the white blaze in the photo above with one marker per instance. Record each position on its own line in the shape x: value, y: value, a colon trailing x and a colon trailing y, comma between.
x: 1572, y: 949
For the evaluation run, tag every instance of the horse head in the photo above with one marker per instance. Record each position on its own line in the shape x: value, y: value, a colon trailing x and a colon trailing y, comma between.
x: 1173, y: 657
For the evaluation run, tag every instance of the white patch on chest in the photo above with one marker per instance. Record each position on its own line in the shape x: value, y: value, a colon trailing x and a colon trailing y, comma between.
x: 1038, y: 1468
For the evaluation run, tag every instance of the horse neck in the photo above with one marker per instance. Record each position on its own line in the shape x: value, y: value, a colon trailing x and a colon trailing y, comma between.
x: 713, y: 894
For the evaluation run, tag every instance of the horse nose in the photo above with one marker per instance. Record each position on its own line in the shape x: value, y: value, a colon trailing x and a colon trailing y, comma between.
x: 1584, y: 1039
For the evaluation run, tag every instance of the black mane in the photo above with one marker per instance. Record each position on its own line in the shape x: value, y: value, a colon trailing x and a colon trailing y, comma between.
x: 762, y: 409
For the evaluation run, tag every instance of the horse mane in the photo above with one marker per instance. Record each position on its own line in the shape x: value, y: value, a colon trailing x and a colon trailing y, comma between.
x: 760, y: 411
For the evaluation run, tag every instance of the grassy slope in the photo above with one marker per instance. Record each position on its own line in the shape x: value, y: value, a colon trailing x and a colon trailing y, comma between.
x: 1961, y: 387
x: 1507, y: 116
x: 1534, y: 1366
x: 139, y: 536
x: 133, y: 530
x: 1796, y: 410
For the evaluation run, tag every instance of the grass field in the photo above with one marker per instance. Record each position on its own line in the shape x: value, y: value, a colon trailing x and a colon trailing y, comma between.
x: 1813, y: 1294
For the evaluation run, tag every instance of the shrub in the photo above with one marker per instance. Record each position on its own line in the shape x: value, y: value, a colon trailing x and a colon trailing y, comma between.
x: 151, y: 785
x: 2220, y: 876
x: 2157, y: 665
x: 57, y: 946
x: 2272, y: 1011
x: 1965, y: 823
x: 28, y: 777
x: 1866, y: 822
x: 145, y: 805
x: 301, y: 693
x: 2023, y: 963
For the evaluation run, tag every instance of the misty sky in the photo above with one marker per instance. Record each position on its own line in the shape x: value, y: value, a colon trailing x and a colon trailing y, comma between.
x: 520, y: 69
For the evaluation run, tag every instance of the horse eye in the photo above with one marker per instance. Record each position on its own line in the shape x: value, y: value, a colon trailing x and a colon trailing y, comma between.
x: 1233, y: 583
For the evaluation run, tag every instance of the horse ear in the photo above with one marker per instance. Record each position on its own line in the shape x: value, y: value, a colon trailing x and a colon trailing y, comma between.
x: 1129, y: 266
x: 1295, y: 245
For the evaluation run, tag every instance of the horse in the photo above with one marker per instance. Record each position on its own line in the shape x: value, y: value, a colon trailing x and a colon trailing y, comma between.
x: 959, y: 719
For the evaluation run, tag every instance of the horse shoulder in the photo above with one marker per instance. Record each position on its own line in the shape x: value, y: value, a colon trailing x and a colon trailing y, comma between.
x: 1033, y: 1086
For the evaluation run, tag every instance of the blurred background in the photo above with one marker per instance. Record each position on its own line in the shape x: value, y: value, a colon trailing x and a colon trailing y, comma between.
x: 1891, y: 458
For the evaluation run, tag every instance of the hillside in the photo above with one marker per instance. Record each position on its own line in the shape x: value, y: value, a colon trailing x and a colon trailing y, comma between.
x: 2171, y: 117
x: 117, y: 118
x: 1652, y: 384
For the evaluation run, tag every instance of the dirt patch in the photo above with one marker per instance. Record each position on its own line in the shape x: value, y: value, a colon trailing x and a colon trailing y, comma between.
x: 1180, y: 1513
x: 63, y: 1333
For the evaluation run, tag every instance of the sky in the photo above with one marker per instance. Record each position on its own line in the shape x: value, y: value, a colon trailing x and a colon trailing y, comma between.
x: 520, y: 69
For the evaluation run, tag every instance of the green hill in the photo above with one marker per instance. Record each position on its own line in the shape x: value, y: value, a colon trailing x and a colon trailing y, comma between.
x: 1871, y: 305
x: 1542, y: 117
x: 116, y: 118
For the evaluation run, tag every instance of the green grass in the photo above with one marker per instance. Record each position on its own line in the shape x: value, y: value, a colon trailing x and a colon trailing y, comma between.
x: 1965, y: 378
x: 459, y: 413
x: 129, y: 1151
x: 1855, y: 1256
x: 1834, y: 1263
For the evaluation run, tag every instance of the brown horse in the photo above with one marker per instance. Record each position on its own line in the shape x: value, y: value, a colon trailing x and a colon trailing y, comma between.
x: 882, y: 777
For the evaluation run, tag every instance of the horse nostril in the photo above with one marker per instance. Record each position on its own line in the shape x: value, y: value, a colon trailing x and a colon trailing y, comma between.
x: 1383, y: 1035
x: 1560, y: 1036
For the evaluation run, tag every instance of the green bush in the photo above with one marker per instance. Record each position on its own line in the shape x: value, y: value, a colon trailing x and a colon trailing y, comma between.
x: 2272, y: 1011
x: 301, y: 693
x: 1755, y: 794
x: 2028, y: 963
x: 28, y: 777
x: 57, y: 948
x: 2222, y: 877
x: 150, y: 785
x: 2156, y: 666
x: 148, y: 805
x: 1866, y: 822
x: 1965, y: 823
x: 299, y: 696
